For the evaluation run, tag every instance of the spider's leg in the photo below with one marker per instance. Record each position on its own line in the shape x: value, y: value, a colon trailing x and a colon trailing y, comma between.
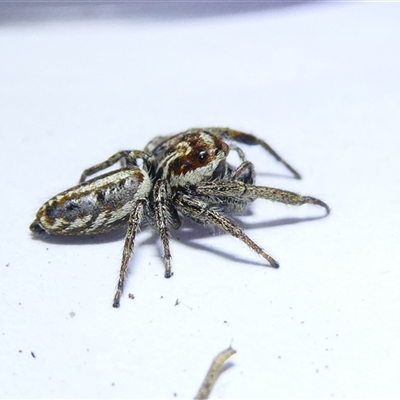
x: 200, y: 210
x: 124, y: 156
x: 133, y: 226
x: 251, y: 140
x: 161, y: 207
x: 238, y: 189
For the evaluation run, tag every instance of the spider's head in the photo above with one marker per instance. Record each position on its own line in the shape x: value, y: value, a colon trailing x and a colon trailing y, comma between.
x: 190, y: 157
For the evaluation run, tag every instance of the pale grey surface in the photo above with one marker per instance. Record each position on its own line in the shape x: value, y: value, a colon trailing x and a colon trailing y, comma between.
x: 320, y: 84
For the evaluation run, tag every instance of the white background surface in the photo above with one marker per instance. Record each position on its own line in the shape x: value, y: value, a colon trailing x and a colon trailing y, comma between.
x: 321, y: 84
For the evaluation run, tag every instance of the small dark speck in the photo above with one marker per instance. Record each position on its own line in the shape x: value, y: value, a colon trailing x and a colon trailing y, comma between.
x: 161, y: 297
x: 19, y: 351
x: 225, y: 322
x: 72, y: 314
x: 175, y: 394
x: 279, y: 357
x: 131, y: 296
x: 47, y: 248
x: 177, y: 302
x: 33, y: 354
x: 302, y: 322
x: 326, y: 366
x: 317, y: 371
x: 8, y: 264
x: 113, y: 384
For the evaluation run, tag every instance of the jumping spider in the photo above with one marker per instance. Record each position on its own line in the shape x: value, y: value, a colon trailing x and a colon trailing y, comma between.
x: 183, y: 175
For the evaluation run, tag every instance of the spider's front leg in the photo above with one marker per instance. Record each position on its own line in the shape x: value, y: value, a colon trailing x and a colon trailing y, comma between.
x: 239, y: 189
x: 126, y: 158
x: 251, y: 140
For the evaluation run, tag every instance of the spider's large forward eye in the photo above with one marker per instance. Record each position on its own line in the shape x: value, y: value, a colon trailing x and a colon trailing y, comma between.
x: 203, y: 155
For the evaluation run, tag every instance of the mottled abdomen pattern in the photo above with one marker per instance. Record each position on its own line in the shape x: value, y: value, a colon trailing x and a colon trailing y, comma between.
x: 98, y: 205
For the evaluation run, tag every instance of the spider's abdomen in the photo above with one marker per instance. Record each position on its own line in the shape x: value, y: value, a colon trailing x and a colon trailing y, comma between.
x: 96, y: 206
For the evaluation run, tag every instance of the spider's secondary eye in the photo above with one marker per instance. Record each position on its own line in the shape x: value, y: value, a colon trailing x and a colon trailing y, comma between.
x: 203, y: 155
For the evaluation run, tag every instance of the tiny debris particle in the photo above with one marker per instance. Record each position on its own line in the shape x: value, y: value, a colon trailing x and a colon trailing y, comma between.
x: 131, y: 296
x: 8, y: 264
x: 112, y: 384
x: 33, y: 354
x: 177, y: 302
x: 19, y: 351
x: 72, y: 314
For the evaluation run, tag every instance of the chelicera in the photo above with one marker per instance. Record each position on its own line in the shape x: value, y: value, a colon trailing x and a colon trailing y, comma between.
x: 179, y: 176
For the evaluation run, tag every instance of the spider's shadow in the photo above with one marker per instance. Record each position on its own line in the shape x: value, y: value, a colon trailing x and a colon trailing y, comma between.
x: 191, y: 231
